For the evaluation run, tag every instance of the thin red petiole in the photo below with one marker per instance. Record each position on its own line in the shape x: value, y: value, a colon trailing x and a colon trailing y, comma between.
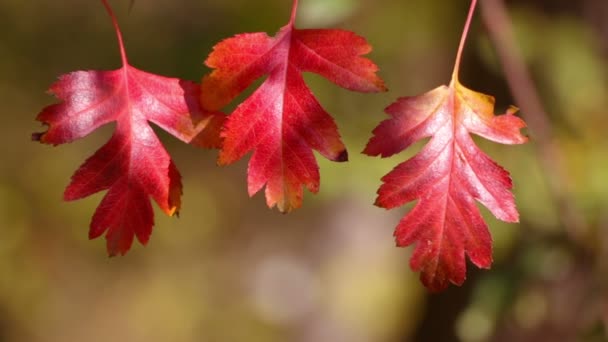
x: 463, y: 39
x: 121, y: 45
x: 294, y: 10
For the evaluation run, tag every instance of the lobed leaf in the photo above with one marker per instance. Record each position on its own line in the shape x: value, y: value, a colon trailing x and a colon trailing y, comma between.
x: 446, y: 178
x: 282, y: 122
x: 133, y: 165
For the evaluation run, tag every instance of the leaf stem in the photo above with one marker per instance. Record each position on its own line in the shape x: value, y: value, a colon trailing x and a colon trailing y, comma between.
x: 463, y: 39
x: 121, y: 45
x: 294, y: 10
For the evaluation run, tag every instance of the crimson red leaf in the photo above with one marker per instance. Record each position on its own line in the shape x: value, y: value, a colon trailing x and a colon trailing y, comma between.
x: 446, y: 177
x: 133, y: 165
x: 282, y: 122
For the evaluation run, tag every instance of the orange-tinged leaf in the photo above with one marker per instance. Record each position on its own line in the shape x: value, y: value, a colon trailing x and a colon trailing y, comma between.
x: 446, y: 178
x: 133, y: 165
x: 282, y: 122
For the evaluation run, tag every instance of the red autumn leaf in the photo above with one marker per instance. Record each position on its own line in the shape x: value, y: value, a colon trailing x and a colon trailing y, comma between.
x: 282, y: 122
x: 446, y: 177
x: 133, y: 165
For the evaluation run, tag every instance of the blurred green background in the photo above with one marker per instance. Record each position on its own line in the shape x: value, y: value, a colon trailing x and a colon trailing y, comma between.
x: 230, y: 269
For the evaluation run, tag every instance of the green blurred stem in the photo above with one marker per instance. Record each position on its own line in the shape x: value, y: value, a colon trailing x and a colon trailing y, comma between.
x: 524, y: 91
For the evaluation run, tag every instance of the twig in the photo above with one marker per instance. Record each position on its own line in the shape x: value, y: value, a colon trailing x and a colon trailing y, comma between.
x: 526, y: 96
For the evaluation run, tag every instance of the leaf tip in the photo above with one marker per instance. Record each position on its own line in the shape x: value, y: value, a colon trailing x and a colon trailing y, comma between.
x: 382, y: 88
x: 113, y: 253
x: 284, y: 208
x: 342, y: 156
x: 377, y: 203
x: 512, y: 110
x: 173, y: 211
x: 369, y: 149
x: 38, y: 136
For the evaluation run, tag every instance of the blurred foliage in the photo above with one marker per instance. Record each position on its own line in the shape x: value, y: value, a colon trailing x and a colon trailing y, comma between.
x: 229, y: 269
